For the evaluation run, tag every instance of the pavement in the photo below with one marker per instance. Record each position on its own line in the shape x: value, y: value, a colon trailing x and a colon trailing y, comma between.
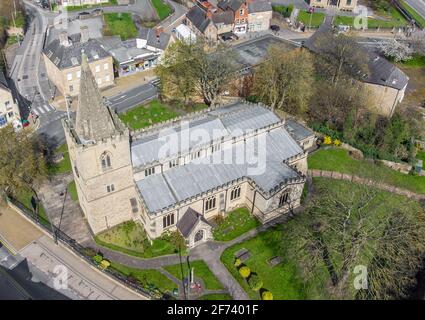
x: 34, y: 266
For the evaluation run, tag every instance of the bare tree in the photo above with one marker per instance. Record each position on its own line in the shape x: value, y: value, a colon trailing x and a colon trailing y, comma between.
x: 285, y: 80
x: 352, y: 226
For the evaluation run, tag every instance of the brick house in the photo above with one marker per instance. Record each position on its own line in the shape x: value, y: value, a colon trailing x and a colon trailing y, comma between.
x: 240, y: 13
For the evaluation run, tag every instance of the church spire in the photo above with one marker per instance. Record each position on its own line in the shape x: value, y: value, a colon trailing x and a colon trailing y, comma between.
x: 93, y: 121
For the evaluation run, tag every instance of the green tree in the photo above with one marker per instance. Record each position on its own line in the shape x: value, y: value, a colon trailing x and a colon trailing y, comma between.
x: 285, y: 80
x: 22, y: 165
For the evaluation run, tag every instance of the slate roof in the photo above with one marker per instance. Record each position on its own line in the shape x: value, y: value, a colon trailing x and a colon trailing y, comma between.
x: 229, y: 4
x: 65, y: 57
x: 188, y: 221
x: 125, y: 51
x: 3, y: 82
x: 297, y: 130
x: 198, y: 18
x: 259, y: 6
x: 223, y: 17
x: 150, y: 35
x: 183, y: 182
x: 381, y: 71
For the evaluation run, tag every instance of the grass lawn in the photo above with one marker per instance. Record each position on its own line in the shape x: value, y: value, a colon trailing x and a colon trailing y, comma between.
x: 372, y: 23
x: 421, y: 156
x: 201, y: 270
x: 216, y: 297
x: 412, y: 12
x: 146, y: 115
x: 24, y: 197
x: 11, y: 40
x: 162, y: 9
x: 237, y: 222
x: 282, y: 280
x: 286, y: 280
x: 119, y: 24
x: 20, y: 20
x: 72, y: 190
x: 149, y: 278
x: 130, y: 238
x: 316, y: 18
x: 64, y: 166
x: 285, y: 11
x: 335, y: 159
x: 417, y: 61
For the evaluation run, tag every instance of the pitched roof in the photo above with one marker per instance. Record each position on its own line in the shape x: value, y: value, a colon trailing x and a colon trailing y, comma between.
x: 153, y: 39
x: 229, y: 4
x: 69, y: 56
x: 297, y: 130
x: 188, y: 221
x: 183, y: 182
x: 259, y: 6
x: 94, y: 121
x: 381, y: 71
x: 198, y: 18
x: 225, y: 17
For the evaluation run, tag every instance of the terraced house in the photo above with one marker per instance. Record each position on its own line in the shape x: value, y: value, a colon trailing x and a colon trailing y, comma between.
x: 179, y: 174
x: 9, y: 111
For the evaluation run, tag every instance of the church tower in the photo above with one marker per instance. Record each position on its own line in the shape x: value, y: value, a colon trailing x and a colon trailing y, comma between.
x: 99, y: 150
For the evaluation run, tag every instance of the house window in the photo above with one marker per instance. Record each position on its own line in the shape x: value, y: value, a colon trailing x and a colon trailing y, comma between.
x: 174, y: 163
x: 241, y: 12
x: 168, y: 220
x: 284, y: 197
x: 235, y: 193
x: 110, y: 188
x: 210, y: 203
x: 71, y: 88
x: 107, y: 78
x: 3, y: 120
x: 106, y: 66
x: 97, y: 68
x: 69, y: 76
x: 134, y: 206
x: 78, y: 74
x: 10, y: 114
x: 7, y: 105
x: 195, y: 155
x: 106, y: 161
x: 149, y: 171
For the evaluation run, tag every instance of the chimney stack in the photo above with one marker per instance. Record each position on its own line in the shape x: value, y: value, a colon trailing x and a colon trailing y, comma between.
x: 84, y: 30
x: 63, y: 39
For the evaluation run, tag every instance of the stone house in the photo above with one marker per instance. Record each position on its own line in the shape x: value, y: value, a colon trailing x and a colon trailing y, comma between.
x: 180, y: 174
x: 259, y: 16
x: 67, y: 3
x: 346, y: 5
x: 200, y: 22
x: 239, y: 9
x: 62, y: 58
x: 9, y: 110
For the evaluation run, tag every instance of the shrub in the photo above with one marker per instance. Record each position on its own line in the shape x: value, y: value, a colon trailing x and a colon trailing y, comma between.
x: 267, y: 295
x: 327, y: 140
x: 337, y: 142
x: 238, y: 263
x: 98, y: 258
x: 244, y: 272
x: 105, y: 264
x: 254, y: 282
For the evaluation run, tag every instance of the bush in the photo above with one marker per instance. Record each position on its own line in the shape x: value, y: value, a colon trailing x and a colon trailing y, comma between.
x: 244, y: 272
x: 267, y: 295
x: 337, y: 142
x: 98, y: 258
x: 238, y: 263
x: 327, y: 140
x: 255, y: 283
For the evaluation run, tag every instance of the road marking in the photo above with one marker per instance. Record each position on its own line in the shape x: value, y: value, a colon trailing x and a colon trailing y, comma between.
x: 36, y: 112
x: 7, y: 245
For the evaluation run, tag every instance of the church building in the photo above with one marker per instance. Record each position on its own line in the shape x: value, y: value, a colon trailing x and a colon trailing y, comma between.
x: 182, y: 173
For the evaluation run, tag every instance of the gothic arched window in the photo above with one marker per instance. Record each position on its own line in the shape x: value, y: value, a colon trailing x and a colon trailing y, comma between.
x: 199, y: 235
x: 283, y: 199
x: 105, y: 160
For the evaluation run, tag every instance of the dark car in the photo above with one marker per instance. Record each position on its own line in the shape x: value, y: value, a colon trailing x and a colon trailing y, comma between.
x: 274, y: 27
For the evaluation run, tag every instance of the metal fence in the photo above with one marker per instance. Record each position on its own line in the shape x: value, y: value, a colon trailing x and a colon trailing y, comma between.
x: 80, y: 250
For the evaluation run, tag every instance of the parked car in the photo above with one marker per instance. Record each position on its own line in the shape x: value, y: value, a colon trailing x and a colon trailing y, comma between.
x: 274, y: 27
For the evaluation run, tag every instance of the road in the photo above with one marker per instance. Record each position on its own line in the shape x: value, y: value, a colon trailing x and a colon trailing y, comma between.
x: 32, y: 264
x: 418, y: 5
x: 125, y: 101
